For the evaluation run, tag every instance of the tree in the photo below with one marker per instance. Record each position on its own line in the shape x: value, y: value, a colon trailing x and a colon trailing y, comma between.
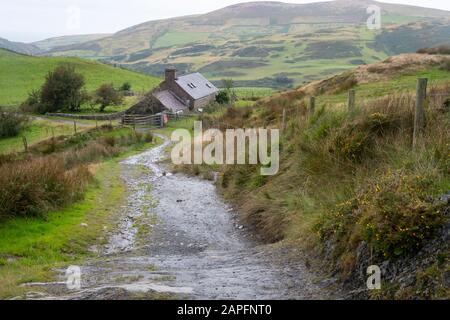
x: 33, y: 103
x: 62, y: 89
x: 228, y: 85
x: 106, y: 95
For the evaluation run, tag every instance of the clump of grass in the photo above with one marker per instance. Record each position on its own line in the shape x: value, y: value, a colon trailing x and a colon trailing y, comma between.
x: 148, y: 137
x: 54, y: 172
x: 90, y: 153
x: 29, y: 188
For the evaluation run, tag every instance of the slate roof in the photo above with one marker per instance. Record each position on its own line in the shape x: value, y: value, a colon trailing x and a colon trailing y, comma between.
x: 196, y: 85
x: 169, y: 101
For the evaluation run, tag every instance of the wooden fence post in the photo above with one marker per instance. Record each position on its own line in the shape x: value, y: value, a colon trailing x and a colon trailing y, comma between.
x: 161, y: 119
x: 75, y: 127
x: 25, y: 143
x: 312, y: 105
x: 351, y: 100
x: 419, y: 114
x: 96, y: 123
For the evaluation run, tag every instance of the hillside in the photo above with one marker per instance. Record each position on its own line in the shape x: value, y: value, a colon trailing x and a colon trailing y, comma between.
x: 48, y: 44
x: 351, y: 190
x: 19, y: 47
x: 382, y: 73
x: 270, y: 44
x: 19, y: 74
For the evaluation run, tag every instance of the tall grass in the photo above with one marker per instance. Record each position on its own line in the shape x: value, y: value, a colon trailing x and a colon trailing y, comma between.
x: 29, y: 188
x: 55, y: 172
x: 341, y: 172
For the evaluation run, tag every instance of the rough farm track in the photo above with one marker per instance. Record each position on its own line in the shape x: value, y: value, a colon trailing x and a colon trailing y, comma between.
x: 178, y: 239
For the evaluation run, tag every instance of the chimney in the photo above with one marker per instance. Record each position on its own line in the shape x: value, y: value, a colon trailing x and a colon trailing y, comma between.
x: 171, y: 75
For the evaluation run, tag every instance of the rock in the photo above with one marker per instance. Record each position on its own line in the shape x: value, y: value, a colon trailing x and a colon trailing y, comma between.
x: 179, y: 200
x: 84, y: 225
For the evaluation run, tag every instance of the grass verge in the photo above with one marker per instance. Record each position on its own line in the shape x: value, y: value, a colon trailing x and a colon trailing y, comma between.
x: 31, y: 248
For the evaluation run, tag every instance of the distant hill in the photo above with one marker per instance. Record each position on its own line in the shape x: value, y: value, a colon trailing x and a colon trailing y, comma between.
x: 270, y: 44
x: 19, y: 74
x: 19, y: 47
x: 51, y: 43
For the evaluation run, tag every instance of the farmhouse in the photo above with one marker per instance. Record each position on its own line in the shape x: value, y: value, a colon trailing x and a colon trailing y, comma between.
x: 191, y: 91
x: 177, y: 94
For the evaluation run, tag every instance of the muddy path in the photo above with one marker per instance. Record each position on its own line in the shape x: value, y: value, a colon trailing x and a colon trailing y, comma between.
x: 178, y: 239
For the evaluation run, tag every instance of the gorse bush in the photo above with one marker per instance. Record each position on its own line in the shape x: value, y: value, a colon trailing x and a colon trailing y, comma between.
x: 11, y: 124
x: 394, y: 214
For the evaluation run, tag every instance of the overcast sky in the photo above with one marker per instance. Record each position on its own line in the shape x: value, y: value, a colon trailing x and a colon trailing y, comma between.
x: 32, y: 20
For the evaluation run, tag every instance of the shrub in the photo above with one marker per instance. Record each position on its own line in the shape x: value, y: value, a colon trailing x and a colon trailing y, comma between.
x: 62, y: 90
x: 398, y: 213
x: 223, y: 97
x: 395, y: 213
x: 11, y: 124
x: 106, y: 95
x: 126, y: 86
x: 33, y: 103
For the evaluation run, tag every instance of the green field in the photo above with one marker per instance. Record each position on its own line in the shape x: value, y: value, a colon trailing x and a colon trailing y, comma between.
x: 19, y: 74
x: 399, y: 83
x: 38, y: 130
x: 170, y: 39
